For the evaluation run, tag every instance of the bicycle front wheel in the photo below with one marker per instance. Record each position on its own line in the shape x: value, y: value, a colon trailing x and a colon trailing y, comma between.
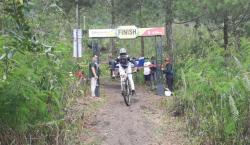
x: 127, y: 94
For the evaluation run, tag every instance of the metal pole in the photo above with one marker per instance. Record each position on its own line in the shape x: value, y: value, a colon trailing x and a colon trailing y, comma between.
x: 161, y: 48
x: 84, y: 23
x: 159, y: 85
x: 77, y: 13
x: 77, y: 27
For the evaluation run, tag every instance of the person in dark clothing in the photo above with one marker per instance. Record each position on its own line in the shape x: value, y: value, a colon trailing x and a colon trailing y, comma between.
x: 168, y: 71
x: 93, y: 72
x: 112, y: 64
x: 153, y: 72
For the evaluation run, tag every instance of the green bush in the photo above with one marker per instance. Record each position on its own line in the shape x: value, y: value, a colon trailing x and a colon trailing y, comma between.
x: 33, y: 89
x: 215, y: 94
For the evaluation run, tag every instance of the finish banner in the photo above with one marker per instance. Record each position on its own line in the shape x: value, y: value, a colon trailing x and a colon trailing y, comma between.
x: 127, y: 32
x: 147, y: 32
x: 100, y: 33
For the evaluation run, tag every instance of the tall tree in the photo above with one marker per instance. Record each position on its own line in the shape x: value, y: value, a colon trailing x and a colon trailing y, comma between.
x: 113, y: 24
x: 230, y: 13
x: 67, y: 5
x: 1, y: 17
x: 227, y: 16
x: 140, y: 3
x: 168, y: 24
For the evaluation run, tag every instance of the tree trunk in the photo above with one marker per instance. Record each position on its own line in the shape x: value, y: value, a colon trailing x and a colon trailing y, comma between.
x: 225, y: 31
x: 113, y: 23
x: 141, y: 25
x: 142, y: 47
x: 169, y: 22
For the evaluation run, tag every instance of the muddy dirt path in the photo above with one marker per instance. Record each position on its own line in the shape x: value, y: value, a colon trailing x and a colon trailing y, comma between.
x: 143, y: 123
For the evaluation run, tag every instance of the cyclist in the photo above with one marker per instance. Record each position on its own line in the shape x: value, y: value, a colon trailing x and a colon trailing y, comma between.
x: 125, y: 68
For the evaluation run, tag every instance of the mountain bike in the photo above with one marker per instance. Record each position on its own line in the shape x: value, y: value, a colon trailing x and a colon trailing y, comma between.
x: 126, y: 90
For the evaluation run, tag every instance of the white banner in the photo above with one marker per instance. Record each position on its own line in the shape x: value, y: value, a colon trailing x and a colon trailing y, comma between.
x: 102, y: 33
x: 127, y: 32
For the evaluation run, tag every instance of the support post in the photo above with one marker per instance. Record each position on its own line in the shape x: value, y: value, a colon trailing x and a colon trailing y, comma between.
x: 159, y: 78
x: 77, y: 27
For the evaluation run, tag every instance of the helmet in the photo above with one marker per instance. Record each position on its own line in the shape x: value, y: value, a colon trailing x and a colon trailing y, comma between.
x: 123, y: 51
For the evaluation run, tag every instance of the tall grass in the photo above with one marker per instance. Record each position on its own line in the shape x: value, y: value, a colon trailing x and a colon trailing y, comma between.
x: 215, y: 94
x: 34, y: 92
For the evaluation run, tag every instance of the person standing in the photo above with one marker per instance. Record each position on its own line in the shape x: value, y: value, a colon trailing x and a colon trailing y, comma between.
x: 112, y: 66
x: 93, y: 72
x: 168, y: 71
x: 147, y: 71
x: 153, y: 72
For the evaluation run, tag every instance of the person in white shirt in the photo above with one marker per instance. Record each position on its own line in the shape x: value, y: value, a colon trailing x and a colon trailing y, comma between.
x: 147, y: 71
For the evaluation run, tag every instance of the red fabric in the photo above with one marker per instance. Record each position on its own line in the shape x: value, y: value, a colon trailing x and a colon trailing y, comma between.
x: 79, y: 74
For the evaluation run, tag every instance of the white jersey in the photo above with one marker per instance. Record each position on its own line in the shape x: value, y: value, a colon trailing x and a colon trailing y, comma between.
x: 147, y: 70
x: 128, y: 71
x: 125, y: 70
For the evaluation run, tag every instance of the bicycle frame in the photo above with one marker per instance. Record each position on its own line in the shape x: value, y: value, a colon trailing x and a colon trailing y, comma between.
x: 126, y: 90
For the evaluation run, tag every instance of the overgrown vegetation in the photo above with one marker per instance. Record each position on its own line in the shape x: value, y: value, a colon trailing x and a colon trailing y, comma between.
x: 213, y: 91
x: 209, y: 42
x: 34, y: 90
x: 35, y: 84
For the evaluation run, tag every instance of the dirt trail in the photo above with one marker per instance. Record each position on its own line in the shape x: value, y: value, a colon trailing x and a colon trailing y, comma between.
x: 143, y: 123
